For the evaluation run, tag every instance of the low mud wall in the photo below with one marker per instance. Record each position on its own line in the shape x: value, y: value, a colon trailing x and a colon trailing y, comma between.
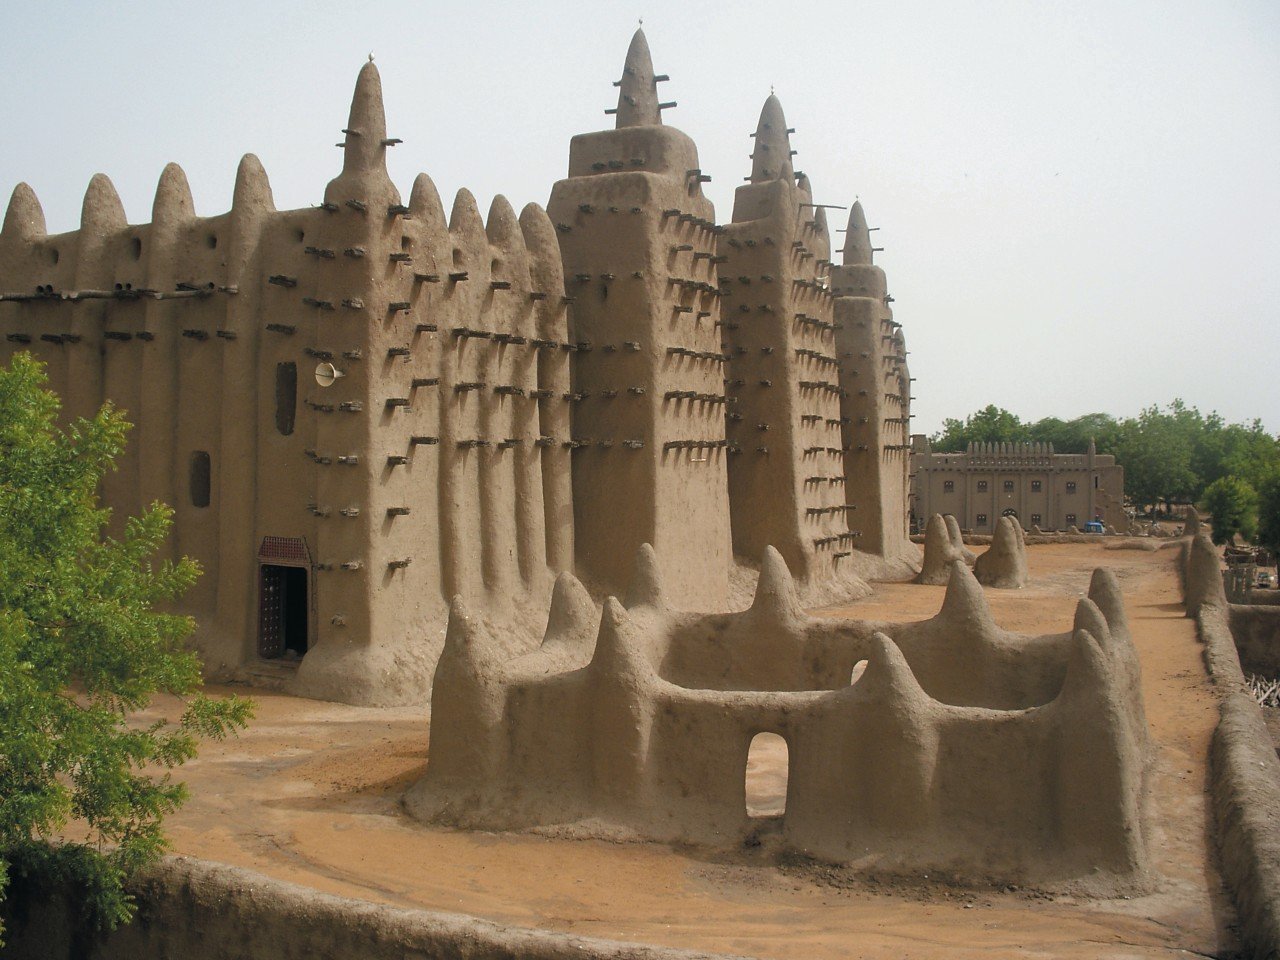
x: 192, y: 909
x: 1244, y: 778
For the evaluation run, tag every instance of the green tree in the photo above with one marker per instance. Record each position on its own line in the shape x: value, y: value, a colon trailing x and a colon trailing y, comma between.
x: 1233, y: 505
x: 991, y: 424
x: 1073, y: 436
x: 1269, y: 509
x: 82, y: 649
x: 1155, y: 451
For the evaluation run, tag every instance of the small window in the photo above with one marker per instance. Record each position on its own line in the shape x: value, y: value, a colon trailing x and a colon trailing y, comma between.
x: 1008, y: 486
x: 982, y: 486
x: 948, y: 486
x: 200, y: 479
x: 1036, y: 486
x: 1071, y: 518
x: 1071, y: 486
x: 982, y: 519
x: 286, y: 396
x: 1035, y: 518
x: 1095, y: 482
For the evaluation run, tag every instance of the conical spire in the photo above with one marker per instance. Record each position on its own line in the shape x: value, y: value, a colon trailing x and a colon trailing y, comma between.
x: 25, y: 217
x: 102, y: 210
x: 771, y: 159
x: 645, y: 589
x: 173, y: 196
x: 775, y: 598
x: 638, y: 96
x: 573, y: 612
x: 253, y: 189
x: 857, y: 239
x: 425, y: 205
x: 367, y: 125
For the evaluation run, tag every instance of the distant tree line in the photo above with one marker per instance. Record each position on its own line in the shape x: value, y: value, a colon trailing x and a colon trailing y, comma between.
x: 1171, y: 454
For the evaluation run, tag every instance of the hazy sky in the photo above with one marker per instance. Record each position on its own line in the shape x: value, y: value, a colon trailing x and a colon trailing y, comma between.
x: 1079, y: 202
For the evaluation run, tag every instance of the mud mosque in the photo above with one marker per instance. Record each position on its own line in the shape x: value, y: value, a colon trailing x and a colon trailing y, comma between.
x: 364, y: 408
x: 395, y: 439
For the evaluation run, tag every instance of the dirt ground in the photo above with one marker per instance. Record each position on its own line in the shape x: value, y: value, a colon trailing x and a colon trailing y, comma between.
x: 310, y: 794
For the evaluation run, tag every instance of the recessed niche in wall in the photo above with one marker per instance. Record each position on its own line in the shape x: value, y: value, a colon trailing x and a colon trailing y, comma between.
x: 200, y: 478
x: 286, y: 396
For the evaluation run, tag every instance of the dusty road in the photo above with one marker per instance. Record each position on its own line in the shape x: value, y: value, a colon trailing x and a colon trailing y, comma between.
x: 310, y: 794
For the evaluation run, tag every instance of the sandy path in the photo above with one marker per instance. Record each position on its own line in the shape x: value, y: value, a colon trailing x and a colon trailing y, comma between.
x: 310, y: 794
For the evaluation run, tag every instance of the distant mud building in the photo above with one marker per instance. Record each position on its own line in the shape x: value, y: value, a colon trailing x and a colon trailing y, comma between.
x: 362, y: 409
x: 1026, y: 481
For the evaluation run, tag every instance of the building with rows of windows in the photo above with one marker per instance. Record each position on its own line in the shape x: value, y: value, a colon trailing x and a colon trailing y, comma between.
x: 1053, y: 491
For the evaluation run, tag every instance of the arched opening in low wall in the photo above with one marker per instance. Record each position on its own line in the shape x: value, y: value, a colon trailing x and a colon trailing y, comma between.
x: 768, y: 766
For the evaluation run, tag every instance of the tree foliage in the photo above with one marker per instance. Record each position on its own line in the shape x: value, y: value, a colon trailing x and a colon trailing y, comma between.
x: 83, y: 647
x: 1269, y: 509
x: 1233, y: 505
x: 1169, y: 454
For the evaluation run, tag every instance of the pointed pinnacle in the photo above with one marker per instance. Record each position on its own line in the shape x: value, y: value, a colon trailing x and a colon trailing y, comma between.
x: 638, y: 96
x: 771, y: 159
x: 367, y: 124
x: 24, y: 218
x: 857, y: 239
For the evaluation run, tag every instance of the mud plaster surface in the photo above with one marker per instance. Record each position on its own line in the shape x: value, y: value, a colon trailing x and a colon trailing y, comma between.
x: 310, y: 795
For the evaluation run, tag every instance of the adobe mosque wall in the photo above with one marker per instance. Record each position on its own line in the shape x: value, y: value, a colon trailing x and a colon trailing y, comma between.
x: 362, y: 409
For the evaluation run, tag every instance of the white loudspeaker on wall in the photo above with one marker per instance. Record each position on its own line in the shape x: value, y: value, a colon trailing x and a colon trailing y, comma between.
x: 327, y: 374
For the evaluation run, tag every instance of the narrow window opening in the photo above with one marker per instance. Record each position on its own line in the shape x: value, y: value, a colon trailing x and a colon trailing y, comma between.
x: 200, y: 472
x: 768, y: 765
x: 286, y: 396
x: 282, y: 612
x: 212, y: 241
x: 135, y: 248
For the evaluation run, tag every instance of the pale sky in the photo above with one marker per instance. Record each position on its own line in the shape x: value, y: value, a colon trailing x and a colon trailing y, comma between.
x: 1079, y: 202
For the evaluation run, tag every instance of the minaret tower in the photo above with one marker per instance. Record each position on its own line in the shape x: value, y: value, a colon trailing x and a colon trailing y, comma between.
x: 639, y: 245
x: 876, y: 403
x: 786, y: 477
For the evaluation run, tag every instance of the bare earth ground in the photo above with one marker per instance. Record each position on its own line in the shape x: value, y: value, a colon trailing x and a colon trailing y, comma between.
x: 310, y: 795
